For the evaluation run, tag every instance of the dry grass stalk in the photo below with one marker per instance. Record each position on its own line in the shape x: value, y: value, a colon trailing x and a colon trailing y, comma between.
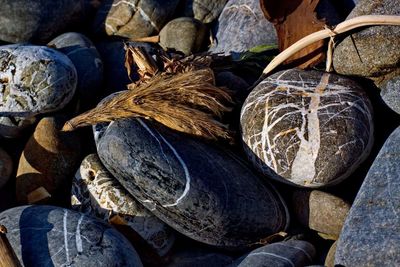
x: 348, y: 25
x: 188, y: 102
x: 138, y: 56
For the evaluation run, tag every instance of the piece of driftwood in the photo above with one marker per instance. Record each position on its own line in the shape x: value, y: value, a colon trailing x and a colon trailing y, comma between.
x: 7, y: 254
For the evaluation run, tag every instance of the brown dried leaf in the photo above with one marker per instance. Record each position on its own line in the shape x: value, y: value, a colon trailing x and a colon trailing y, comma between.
x: 293, y: 20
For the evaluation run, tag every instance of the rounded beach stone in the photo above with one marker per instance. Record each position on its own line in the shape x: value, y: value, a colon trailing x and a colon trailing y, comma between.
x: 14, y: 127
x: 241, y: 26
x: 34, y: 80
x: 204, y: 10
x: 37, y: 21
x: 320, y: 211
x: 89, y: 67
x: 183, y: 34
x: 292, y: 253
x: 48, y: 160
x: 370, y: 235
x: 47, y: 235
x: 96, y: 192
x: 201, y: 191
x: 307, y: 128
x: 134, y: 18
x: 6, y: 167
x: 358, y: 54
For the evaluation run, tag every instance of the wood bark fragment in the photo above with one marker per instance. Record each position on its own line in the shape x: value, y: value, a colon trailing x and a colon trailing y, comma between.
x: 7, y: 254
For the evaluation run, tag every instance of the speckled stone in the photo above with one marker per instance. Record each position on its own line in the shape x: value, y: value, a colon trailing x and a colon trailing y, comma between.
x: 34, y: 80
x: 6, y: 167
x: 37, y: 21
x: 48, y: 160
x: 14, y: 127
x: 390, y: 93
x: 96, y: 192
x: 292, y: 253
x: 321, y: 211
x: 307, y: 128
x: 184, y: 34
x: 53, y: 236
x: 201, y: 191
x: 204, y: 10
x: 134, y: 18
x: 370, y: 235
x: 373, y: 51
x: 89, y: 67
x: 241, y: 26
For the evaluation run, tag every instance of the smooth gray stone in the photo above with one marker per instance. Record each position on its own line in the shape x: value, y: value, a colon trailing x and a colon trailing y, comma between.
x: 133, y: 18
x: 37, y: 21
x: 241, y: 26
x: 183, y: 34
x: 370, y: 236
x: 34, y: 80
x: 390, y: 93
x: 292, y: 253
x: 373, y: 51
x: 53, y: 236
x: 189, y: 257
x: 96, y: 192
x: 89, y: 67
x: 201, y: 191
x: 307, y: 128
x: 204, y: 10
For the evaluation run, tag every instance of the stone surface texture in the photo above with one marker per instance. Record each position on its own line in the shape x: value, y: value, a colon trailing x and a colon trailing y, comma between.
x: 307, y: 128
x: 390, y: 93
x: 292, y: 253
x: 53, y: 236
x: 34, y: 80
x: 37, y: 21
x: 134, y: 18
x: 96, y: 192
x: 204, y: 10
x: 201, y: 191
x: 183, y: 34
x: 370, y: 235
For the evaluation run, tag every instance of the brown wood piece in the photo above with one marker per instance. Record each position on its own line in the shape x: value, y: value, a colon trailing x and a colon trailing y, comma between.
x: 7, y: 254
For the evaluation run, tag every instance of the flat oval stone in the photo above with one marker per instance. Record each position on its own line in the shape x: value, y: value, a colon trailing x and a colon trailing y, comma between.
x: 48, y: 235
x: 307, y: 128
x: 34, y: 80
x: 241, y: 26
x: 183, y: 34
x: 6, y: 167
x: 292, y: 253
x: 201, y: 191
x: 96, y: 192
x: 89, y: 67
x: 370, y: 235
x: 37, y: 21
x: 134, y: 18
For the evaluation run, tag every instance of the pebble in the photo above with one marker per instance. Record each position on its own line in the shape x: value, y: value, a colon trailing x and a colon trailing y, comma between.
x: 88, y: 64
x: 321, y: 211
x: 184, y: 34
x: 201, y: 191
x: 96, y: 192
x: 307, y: 128
x: 53, y: 236
x: 6, y: 167
x: 38, y: 21
x: 34, y: 80
x: 292, y: 253
x: 48, y: 160
x: 133, y: 18
x: 370, y: 235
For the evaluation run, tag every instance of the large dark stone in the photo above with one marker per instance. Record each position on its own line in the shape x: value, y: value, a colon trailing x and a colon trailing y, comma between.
x: 292, y: 253
x: 37, y: 21
x: 34, y: 80
x: 134, y: 18
x: 307, y: 128
x: 370, y: 235
x: 53, y: 236
x: 203, y: 192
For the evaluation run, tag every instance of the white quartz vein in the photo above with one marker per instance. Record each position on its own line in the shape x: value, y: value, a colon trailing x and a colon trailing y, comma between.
x: 66, y: 235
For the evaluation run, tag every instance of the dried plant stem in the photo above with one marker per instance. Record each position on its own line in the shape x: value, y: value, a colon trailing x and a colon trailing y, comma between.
x: 348, y: 25
x: 7, y: 254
